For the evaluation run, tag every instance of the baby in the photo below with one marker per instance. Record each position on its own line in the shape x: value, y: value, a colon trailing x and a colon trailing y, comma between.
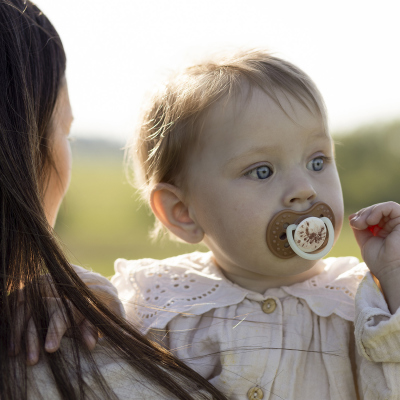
x: 236, y: 154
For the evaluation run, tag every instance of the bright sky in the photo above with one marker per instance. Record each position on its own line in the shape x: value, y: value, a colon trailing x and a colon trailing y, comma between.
x: 118, y: 49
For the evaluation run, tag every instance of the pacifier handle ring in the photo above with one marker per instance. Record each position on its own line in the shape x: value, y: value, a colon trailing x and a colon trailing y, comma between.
x: 314, y: 256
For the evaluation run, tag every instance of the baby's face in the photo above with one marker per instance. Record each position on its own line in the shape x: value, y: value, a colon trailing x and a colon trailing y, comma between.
x: 254, y: 162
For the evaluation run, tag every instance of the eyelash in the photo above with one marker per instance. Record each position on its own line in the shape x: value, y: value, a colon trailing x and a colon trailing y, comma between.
x: 325, y: 159
x: 260, y: 166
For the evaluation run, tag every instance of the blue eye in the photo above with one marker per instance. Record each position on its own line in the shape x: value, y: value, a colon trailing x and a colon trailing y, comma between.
x: 262, y: 172
x: 316, y: 164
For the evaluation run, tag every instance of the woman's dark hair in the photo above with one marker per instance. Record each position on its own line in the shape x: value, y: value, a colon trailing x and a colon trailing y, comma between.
x: 32, y: 69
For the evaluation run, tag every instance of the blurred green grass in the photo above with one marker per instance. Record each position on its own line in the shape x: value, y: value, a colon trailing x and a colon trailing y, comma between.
x: 102, y: 217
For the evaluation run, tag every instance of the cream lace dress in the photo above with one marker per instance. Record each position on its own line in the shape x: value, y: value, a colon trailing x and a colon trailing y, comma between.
x: 292, y: 342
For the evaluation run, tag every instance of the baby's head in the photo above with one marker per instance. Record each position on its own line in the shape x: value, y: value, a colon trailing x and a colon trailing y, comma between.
x: 226, y: 145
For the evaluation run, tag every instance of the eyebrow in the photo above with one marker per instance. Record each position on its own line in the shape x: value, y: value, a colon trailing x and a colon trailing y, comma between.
x: 252, y: 151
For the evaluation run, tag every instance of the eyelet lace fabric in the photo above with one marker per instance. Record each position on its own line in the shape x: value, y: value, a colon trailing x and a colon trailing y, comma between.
x: 156, y: 291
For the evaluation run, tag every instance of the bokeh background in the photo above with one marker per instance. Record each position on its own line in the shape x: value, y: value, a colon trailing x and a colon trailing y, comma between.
x: 118, y: 51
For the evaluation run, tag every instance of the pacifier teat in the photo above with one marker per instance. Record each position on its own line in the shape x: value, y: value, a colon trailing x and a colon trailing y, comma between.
x: 309, y: 234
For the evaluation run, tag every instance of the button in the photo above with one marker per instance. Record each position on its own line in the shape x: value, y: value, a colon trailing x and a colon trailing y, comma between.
x: 269, y: 306
x: 255, y: 393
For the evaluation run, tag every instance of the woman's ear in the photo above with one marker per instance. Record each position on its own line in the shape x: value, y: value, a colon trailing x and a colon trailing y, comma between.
x: 168, y: 205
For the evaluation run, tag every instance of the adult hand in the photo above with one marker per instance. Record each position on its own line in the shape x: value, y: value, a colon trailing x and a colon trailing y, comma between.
x: 58, y: 326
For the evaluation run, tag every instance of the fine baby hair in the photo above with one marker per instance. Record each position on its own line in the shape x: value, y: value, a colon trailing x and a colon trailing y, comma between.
x: 172, y: 122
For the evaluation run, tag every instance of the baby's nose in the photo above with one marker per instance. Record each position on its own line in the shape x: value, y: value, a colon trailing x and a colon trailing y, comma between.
x: 300, y: 191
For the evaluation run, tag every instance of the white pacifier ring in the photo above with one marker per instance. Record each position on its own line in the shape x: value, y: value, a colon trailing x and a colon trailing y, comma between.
x: 313, y: 256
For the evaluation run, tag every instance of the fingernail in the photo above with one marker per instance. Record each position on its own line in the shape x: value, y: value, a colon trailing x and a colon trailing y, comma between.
x: 351, y: 216
x: 49, y: 346
x: 91, y: 341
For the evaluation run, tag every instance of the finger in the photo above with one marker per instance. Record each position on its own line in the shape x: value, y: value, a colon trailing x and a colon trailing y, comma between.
x: 367, y: 223
x: 380, y: 220
x: 57, y: 328
x: 89, y: 334
x: 59, y: 323
x: 387, y: 215
x: 379, y: 211
x: 19, y: 323
x: 376, y: 215
x: 32, y: 343
x: 358, y: 221
x: 20, y: 295
x: 109, y: 296
x: 47, y: 287
x: 359, y: 212
x: 19, y: 327
x: 392, y: 225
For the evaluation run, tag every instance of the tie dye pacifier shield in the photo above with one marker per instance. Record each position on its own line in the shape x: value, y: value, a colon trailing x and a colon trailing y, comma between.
x: 313, y: 232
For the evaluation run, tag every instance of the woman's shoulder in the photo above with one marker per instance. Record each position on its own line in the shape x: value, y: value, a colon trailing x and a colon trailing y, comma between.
x: 122, y: 379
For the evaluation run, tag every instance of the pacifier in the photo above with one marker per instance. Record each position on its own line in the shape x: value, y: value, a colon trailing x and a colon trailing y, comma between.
x: 313, y: 232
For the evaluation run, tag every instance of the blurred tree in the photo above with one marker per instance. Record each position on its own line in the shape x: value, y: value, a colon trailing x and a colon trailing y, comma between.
x: 368, y: 162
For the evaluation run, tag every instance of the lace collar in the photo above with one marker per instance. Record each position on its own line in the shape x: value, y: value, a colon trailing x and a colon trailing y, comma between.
x: 191, y: 284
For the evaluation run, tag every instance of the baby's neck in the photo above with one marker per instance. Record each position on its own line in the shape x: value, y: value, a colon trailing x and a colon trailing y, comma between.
x: 261, y: 283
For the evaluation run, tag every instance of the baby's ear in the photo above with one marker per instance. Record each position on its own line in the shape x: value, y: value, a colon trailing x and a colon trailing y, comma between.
x: 168, y: 205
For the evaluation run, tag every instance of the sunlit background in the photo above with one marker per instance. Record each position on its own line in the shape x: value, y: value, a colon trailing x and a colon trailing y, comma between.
x: 118, y: 50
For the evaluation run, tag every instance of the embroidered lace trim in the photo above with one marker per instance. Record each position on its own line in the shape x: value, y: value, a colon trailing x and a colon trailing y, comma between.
x: 156, y: 291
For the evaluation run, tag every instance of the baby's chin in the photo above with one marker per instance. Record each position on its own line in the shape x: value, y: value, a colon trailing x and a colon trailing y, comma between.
x: 290, y: 267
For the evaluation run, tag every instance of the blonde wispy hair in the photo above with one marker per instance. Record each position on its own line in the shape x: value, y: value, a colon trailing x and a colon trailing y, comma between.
x: 171, y: 120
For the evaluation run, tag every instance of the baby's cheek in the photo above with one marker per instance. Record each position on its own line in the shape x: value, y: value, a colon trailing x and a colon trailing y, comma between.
x: 240, y: 229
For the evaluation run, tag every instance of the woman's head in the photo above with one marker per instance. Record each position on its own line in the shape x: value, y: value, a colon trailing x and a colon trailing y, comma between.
x: 32, y: 70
